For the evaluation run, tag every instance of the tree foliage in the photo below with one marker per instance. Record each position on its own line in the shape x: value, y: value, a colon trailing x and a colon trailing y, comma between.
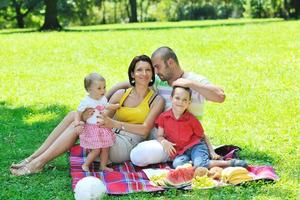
x: 32, y: 13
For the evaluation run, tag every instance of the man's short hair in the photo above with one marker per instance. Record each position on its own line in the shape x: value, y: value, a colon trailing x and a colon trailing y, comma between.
x: 166, y: 53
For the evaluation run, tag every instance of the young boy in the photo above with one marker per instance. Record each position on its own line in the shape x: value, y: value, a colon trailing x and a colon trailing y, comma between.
x: 181, y: 135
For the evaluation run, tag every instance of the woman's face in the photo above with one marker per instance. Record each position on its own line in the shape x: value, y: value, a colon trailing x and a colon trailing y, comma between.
x: 142, y: 73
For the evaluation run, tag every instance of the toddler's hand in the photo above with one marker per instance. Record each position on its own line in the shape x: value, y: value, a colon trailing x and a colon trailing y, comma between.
x: 215, y: 156
x: 168, y: 147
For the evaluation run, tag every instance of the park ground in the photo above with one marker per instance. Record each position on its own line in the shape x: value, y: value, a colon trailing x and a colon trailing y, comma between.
x: 257, y: 62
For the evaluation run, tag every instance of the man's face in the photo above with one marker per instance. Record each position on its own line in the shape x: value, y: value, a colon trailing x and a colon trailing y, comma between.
x: 162, y: 69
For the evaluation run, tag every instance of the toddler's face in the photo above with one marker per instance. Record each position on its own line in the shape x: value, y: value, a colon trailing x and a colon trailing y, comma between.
x: 97, y: 89
x: 180, y: 100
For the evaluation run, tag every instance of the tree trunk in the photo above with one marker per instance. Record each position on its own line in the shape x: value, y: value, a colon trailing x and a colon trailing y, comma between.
x: 51, y: 21
x: 133, y: 15
x: 142, y: 11
x: 296, y: 5
x: 115, y: 11
x: 19, y: 15
x: 103, y: 12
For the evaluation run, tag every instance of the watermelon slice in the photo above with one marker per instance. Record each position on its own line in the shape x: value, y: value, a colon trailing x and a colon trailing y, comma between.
x: 180, y: 177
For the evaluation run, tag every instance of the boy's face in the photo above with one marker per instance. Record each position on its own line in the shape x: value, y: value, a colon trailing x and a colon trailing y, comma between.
x: 180, y: 100
x: 97, y: 89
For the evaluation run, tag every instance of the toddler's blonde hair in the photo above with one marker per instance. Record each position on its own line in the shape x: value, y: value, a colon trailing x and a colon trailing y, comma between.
x: 92, y: 77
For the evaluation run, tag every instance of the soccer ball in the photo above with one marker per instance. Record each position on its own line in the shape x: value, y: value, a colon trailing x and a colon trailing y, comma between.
x: 89, y: 188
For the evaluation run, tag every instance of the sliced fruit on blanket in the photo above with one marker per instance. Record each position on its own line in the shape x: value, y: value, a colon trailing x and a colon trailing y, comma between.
x: 159, y: 179
x: 180, y: 176
x: 237, y: 179
x: 186, y: 165
x: 230, y: 171
x: 215, y: 173
x: 235, y: 175
x: 200, y: 171
x: 202, y: 182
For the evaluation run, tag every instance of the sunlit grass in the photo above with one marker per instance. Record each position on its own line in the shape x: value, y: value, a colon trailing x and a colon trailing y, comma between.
x: 258, y: 65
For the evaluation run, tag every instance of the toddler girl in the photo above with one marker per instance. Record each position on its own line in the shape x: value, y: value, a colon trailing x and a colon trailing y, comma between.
x: 93, y: 137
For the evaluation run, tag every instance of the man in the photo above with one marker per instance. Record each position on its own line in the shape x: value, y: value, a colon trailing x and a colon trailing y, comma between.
x: 169, y: 73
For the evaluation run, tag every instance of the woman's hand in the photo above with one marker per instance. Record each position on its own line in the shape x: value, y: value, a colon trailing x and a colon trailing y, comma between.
x: 105, y: 121
x: 87, y: 113
x: 78, y: 128
x: 168, y: 147
x: 113, y: 106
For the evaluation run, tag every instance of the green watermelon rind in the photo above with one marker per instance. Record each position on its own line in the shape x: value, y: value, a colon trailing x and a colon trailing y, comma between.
x: 179, y: 173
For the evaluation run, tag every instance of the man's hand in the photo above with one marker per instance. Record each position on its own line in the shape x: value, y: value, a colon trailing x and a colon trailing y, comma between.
x: 168, y: 147
x: 182, y: 82
x: 87, y: 113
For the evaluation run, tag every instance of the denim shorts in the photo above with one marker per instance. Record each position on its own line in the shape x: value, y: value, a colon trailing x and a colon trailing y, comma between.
x: 198, y: 154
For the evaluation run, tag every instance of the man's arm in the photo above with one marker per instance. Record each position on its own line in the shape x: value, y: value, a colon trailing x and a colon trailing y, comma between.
x: 209, y: 91
x: 116, y: 87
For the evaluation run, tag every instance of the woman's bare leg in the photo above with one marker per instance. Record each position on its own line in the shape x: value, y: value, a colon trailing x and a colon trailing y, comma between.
x: 57, y: 131
x: 63, y: 143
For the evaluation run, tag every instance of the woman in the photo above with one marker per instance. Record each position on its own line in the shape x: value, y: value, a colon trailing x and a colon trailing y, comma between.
x: 139, y: 107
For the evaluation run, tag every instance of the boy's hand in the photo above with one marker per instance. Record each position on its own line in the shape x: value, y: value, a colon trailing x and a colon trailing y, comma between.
x: 168, y: 147
x: 215, y: 156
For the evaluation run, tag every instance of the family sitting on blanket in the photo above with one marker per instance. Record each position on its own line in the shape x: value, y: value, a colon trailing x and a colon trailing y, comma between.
x: 132, y: 122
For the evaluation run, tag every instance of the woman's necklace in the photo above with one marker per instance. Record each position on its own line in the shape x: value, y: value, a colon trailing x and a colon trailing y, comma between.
x: 134, y: 93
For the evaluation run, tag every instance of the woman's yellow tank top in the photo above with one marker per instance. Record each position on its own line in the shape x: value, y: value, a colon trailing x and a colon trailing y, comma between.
x: 134, y: 115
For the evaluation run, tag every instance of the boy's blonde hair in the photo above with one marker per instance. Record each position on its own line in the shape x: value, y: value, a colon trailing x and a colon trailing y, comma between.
x: 92, y: 77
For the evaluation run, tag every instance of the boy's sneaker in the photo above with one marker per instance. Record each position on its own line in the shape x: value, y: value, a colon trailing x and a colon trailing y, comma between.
x: 238, y: 163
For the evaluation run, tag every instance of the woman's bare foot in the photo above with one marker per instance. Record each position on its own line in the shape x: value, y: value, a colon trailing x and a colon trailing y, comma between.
x: 22, y: 163
x: 25, y: 170
x: 105, y: 168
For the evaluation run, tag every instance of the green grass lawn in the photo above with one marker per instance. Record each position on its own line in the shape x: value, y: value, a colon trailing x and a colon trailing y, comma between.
x: 256, y: 62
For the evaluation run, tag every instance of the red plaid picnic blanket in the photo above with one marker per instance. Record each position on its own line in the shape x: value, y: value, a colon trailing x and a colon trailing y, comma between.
x: 127, y: 178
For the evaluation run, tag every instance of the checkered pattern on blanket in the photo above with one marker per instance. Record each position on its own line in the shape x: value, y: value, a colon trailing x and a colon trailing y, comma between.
x: 127, y: 178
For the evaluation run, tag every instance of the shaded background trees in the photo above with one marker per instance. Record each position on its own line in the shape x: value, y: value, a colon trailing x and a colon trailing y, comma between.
x: 53, y: 14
